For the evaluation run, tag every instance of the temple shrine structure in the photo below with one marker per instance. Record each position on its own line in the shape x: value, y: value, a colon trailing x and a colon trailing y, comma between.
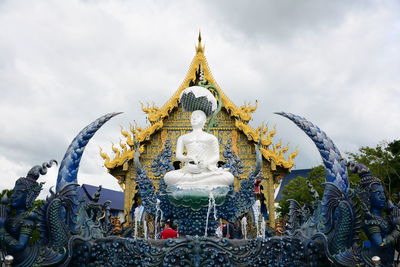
x: 200, y: 166
x: 231, y: 125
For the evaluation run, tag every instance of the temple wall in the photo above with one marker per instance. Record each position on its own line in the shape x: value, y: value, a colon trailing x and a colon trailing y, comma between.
x: 178, y: 123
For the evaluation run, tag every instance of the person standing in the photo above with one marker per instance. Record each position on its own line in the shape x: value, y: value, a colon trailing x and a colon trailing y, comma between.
x: 232, y: 230
x: 168, y: 232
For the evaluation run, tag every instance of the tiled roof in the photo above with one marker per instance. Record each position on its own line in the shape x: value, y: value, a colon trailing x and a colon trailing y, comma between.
x: 116, y: 197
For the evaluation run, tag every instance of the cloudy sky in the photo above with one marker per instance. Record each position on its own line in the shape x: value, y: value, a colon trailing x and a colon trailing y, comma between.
x: 65, y: 63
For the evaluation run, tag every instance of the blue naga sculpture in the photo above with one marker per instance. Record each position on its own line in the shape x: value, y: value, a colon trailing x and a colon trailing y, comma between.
x: 381, y: 221
x: 18, y: 220
x: 57, y: 220
x: 337, y: 219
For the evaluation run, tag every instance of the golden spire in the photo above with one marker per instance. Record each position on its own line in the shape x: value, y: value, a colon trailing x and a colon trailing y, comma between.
x: 199, y: 46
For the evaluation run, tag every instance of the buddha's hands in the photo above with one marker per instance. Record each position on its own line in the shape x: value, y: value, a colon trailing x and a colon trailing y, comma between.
x: 192, y: 159
x: 205, y: 164
x: 202, y: 164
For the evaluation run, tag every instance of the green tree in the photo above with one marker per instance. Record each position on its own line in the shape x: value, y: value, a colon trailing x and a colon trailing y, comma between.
x: 4, y: 192
x: 298, y: 189
x: 384, y: 163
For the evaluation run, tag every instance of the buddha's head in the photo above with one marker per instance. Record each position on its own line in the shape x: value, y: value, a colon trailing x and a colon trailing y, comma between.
x: 198, y: 119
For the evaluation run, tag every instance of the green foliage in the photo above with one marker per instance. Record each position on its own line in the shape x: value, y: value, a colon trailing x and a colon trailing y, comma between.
x: 298, y: 189
x: 6, y: 191
x: 384, y: 163
x: 38, y: 204
x: 35, y: 237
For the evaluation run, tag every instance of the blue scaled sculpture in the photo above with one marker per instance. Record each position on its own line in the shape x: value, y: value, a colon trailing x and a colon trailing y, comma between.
x: 57, y: 221
x: 344, y: 212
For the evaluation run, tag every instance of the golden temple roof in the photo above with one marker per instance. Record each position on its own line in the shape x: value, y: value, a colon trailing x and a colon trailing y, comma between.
x: 242, y: 116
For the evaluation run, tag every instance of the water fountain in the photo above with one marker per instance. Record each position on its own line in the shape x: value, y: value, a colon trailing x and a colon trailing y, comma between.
x: 144, y: 229
x: 211, y: 206
x: 257, y: 212
x: 244, y: 227
x: 263, y: 229
x: 137, y: 219
x: 158, y: 218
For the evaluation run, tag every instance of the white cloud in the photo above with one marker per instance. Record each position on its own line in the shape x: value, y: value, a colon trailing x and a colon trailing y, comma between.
x: 65, y: 63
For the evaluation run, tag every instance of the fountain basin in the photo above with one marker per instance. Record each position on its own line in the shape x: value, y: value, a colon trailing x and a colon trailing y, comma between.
x: 196, y: 198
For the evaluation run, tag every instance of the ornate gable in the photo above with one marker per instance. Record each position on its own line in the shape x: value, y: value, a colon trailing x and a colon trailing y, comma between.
x: 239, y: 117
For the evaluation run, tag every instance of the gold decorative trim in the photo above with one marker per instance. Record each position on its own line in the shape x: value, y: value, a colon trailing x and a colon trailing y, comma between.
x: 154, y: 113
x: 120, y: 157
x: 254, y: 134
x: 277, y: 157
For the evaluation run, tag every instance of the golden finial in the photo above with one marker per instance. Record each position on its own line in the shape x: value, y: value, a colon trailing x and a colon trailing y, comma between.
x: 199, y: 46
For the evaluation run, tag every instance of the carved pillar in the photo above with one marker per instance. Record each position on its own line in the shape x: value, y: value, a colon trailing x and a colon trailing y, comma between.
x: 271, y: 200
x: 129, y: 192
x: 268, y: 191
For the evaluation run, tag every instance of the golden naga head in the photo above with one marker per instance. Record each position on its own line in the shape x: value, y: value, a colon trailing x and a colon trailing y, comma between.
x: 246, y: 110
x: 153, y: 113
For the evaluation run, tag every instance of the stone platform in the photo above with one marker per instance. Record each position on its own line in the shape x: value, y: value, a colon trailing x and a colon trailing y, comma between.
x: 196, y: 251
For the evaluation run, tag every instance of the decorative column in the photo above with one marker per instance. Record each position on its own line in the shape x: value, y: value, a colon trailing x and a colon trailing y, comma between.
x: 271, y: 199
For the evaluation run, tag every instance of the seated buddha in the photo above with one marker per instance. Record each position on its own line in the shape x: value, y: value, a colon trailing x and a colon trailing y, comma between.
x: 200, y: 169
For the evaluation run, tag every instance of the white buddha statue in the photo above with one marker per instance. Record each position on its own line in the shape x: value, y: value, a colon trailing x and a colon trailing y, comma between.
x: 200, y: 169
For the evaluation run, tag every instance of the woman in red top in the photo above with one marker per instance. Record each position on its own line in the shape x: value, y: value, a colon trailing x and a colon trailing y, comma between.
x: 168, y: 232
